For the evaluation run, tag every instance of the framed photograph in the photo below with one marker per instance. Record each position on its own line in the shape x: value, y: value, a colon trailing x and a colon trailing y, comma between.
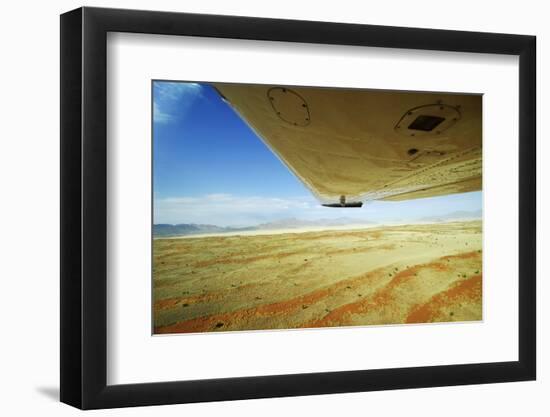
x: 257, y: 208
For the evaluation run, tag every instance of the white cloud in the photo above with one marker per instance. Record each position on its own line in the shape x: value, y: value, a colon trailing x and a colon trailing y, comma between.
x: 172, y: 100
x: 230, y: 210
x: 159, y: 116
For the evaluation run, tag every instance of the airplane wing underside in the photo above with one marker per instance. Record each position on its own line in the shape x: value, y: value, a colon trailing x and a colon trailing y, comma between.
x: 350, y: 145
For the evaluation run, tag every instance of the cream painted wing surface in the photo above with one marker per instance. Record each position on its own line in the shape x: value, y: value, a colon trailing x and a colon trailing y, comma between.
x: 350, y: 145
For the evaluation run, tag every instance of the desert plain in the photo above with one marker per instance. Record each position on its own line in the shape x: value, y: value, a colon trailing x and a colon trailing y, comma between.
x: 419, y: 273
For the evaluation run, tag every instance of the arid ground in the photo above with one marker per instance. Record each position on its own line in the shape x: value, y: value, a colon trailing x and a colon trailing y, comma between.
x: 388, y: 275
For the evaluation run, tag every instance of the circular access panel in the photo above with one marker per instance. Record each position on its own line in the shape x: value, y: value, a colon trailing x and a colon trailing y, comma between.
x: 289, y: 106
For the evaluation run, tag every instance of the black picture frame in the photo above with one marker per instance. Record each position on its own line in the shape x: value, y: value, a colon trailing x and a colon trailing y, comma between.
x: 84, y: 207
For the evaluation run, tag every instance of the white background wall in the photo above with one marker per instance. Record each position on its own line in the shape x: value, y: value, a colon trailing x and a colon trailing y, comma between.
x: 29, y: 176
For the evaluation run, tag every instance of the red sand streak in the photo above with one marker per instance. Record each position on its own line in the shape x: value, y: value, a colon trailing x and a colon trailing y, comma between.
x: 382, y: 299
x: 173, y: 302
x: 359, y: 250
x: 284, y: 307
x: 466, y: 255
x: 467, y: 290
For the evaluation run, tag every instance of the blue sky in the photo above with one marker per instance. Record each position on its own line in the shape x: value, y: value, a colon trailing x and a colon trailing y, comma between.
x: 210, y: 168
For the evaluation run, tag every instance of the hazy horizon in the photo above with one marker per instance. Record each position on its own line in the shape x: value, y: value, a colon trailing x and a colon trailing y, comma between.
x: 342, y: 219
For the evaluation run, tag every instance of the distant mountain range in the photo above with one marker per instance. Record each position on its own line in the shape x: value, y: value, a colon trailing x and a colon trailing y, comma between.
x: 293, y: 223
x: 172, y: 230
x: 455, y: 215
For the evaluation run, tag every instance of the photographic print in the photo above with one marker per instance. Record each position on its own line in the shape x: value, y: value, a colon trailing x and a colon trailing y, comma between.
x: 287, y: 207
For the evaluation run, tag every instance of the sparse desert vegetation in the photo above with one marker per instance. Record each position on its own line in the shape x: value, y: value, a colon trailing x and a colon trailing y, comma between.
x: 385, y: 275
